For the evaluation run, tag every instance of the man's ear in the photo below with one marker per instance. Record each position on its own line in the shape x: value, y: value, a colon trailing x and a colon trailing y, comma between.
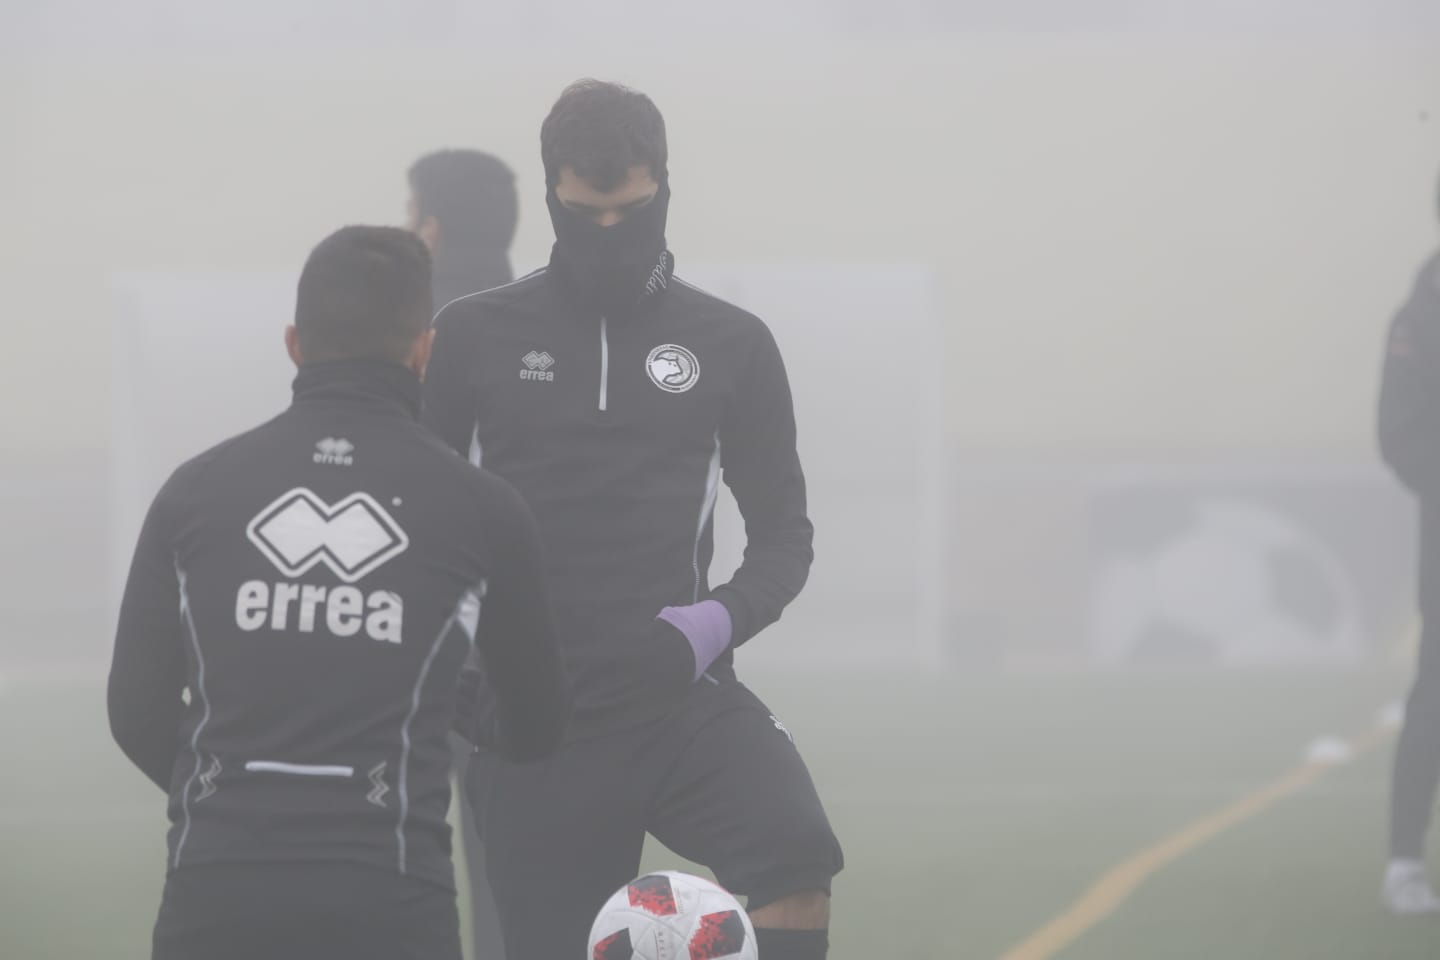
x: 292, y: 345
x: 420, y: 355
x: 429, y: 232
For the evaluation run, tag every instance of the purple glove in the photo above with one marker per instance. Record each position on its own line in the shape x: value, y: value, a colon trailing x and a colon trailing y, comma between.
x: 708, y: 628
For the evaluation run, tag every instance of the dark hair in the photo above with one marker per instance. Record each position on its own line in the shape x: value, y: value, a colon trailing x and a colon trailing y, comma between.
x: 364, y: 295
x: 601, y: 130
x: 470, y: 194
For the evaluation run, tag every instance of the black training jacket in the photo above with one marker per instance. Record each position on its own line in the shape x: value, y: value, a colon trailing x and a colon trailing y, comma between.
x: 617, y: 431
x: 314, y: 586
x: 1409, y: 422
x: 466, y: 270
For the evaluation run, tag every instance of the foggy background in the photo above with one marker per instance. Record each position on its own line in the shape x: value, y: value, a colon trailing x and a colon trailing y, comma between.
x: 1083, y: 304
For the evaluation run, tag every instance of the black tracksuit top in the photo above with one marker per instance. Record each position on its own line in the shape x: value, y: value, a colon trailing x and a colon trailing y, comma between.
x: 617, y: 431
x: 315, y: 586
x: 1409, y: 415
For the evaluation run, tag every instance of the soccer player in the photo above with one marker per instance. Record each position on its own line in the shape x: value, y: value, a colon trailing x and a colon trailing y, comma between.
x: 615, y: 397
x: 300, y: 603
x: 463, y: 205
x: 1410, y: 443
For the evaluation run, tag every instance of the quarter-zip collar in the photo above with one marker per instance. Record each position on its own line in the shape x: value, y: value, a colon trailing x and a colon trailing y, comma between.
x: 379, y: 384
x: 660, y: 279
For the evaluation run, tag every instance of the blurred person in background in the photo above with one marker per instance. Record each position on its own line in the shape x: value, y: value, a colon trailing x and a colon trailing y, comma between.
x: 301, y: 602
x: 615, y: 397
x: 463, y: 205
x: 1409, y: 427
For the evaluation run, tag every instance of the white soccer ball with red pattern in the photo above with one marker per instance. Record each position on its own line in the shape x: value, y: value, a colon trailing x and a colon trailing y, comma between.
x: 672, y: 916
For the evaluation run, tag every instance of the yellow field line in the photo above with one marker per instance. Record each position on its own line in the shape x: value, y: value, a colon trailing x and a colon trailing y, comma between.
x: 1117, y: 884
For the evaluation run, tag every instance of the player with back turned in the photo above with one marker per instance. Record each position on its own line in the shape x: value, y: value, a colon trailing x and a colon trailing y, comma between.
x: 616, y: 398
x: 300, y: 604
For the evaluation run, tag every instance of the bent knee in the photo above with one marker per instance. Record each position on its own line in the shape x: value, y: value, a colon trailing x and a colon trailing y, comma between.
x: 808, y: 910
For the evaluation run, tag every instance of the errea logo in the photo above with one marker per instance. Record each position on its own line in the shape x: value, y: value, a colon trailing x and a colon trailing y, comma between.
x: 352, y: 538
x: 336, y: 452
x: 537, y: 366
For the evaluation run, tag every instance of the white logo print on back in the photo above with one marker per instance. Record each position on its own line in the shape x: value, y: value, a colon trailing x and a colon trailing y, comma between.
x: 336, y: 452
x: 353, y: 538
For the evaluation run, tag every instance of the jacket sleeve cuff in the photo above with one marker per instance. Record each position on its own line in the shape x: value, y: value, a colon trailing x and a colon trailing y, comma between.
x: 739, y: 611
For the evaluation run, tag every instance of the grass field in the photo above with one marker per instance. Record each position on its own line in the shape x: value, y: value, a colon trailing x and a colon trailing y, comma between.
x: 973, y: 810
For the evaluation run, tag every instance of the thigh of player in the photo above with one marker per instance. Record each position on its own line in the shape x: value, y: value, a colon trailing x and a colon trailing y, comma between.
x: 739, y: 799
x: 1422, y: 711
x: 561, y: 835
x: 1425, y: 695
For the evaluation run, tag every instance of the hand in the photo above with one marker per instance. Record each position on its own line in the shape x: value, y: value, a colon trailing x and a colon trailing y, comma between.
x: 706, y: 627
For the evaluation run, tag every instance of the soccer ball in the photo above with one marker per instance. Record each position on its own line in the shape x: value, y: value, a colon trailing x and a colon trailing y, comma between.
x: 672, y: 916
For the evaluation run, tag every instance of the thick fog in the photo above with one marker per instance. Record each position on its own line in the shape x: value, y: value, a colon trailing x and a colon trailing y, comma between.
x: 1084, y: 307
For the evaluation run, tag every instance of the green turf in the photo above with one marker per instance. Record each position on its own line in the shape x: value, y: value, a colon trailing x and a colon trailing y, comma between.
x: 972, y: 810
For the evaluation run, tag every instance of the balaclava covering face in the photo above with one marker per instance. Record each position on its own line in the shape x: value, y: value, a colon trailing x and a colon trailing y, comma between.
x: 610, y: 266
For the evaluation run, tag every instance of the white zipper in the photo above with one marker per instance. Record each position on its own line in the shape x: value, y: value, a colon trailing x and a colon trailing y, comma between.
x: 604, y: 364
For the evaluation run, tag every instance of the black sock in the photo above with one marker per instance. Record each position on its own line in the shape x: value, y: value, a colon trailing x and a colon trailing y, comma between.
x: 776, y: 944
